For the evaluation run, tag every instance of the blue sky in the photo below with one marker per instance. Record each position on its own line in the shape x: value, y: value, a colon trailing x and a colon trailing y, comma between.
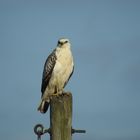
x: 105, y: 38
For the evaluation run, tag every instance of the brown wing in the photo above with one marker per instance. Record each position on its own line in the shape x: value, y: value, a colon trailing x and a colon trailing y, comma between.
x: 48, y: 68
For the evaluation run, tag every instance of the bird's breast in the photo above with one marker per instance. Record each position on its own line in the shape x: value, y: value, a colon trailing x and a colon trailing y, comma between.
x: 64, y: 62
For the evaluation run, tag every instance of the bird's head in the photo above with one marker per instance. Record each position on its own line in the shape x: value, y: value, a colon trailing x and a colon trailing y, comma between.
x: 63, y: 43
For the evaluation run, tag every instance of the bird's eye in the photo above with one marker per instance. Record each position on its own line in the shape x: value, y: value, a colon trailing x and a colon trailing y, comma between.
x: 59, y: 42
x: 66, y: 41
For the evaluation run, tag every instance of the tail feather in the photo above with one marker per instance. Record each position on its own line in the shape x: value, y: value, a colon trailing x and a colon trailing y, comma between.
x: 43, y: 107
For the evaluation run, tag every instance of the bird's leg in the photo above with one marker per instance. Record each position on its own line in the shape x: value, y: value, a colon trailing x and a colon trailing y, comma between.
x: 57, y: 92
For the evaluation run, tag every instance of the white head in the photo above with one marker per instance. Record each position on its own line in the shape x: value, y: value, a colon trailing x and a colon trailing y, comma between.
x: 63, y: 42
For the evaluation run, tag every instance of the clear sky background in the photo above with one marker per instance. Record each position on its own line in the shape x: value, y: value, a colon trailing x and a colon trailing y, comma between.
x: 105, y: 38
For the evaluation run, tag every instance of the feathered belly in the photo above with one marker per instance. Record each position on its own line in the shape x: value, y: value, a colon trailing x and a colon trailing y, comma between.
x: 61, y: 73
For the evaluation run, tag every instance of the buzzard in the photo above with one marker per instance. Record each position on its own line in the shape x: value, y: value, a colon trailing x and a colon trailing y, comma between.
x: 57, y: 71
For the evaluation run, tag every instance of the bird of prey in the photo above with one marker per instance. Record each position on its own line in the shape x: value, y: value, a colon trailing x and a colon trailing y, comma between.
x: 57, y: 71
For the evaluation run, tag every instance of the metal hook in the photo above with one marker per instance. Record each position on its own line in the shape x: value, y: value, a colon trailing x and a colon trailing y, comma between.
x: 38, y: 129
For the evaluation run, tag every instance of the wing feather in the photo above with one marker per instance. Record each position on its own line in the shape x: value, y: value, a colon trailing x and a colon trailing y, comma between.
x: 48, y: 68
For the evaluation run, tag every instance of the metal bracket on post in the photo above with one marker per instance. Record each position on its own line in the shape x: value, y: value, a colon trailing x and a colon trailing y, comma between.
x: 77, y: 131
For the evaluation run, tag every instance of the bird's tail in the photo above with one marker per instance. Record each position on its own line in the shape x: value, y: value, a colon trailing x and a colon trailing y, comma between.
x: 43, y: 107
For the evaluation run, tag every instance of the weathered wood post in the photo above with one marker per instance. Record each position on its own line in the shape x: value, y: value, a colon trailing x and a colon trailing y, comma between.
x: 61, y: 117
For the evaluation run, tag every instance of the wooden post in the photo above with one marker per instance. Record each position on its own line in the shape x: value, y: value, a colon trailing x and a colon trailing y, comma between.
x: 61, y: 117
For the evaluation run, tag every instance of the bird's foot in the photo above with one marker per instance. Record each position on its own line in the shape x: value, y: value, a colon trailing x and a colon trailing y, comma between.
x: 56, y: 95
x: 66, y: 93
